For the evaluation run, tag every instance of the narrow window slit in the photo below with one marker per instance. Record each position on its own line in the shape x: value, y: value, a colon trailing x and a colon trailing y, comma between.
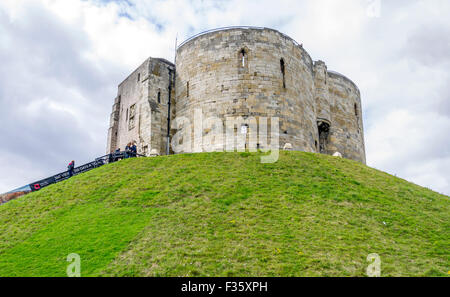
x: 243, y: 58
x: 283, y: 72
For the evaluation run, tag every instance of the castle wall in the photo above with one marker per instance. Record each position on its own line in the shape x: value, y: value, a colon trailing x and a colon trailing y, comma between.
x: 140, y: 109
x: 248, y: 73
x: 321, y: 92
x: 347, y: 132
x: 113, y: 131
x: 223, y: 85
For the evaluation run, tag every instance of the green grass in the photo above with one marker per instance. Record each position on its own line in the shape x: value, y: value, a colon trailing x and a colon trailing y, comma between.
x: 226, y: 214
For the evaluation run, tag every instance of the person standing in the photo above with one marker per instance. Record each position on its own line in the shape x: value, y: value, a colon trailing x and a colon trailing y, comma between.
x: 133, y: 150
x: 71, y: 168
x: 127, y: 150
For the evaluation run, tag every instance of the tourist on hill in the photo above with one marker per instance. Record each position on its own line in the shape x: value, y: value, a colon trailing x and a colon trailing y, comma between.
x: 117, y: 155
x: 133, y: 150
x: 71, y: 168
x: 128, y: 152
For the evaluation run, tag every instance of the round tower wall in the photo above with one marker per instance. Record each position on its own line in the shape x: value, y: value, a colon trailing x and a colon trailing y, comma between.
x: 346, y: 131
x: 249, y: 73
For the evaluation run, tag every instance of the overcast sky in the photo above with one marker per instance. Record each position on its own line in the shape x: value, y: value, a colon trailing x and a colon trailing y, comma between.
x: 61, y: 62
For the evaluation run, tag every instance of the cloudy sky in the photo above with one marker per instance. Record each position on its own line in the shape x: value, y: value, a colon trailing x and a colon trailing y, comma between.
x: 61, y: 62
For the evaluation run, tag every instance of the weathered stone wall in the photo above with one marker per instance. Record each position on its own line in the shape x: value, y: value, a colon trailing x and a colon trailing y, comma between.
x: 242, y: 72
x: 211, y: 75
x: 347, y: 131
x: 140, y: 109
x: 223, y: 85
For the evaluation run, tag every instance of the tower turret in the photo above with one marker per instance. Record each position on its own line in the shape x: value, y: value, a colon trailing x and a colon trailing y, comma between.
x: 323, y: 105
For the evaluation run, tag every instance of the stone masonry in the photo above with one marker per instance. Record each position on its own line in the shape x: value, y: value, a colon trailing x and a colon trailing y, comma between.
x: 246, y: 72
x: 140, y: 109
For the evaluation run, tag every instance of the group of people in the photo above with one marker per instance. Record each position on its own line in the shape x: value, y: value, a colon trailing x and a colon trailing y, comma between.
x: 130, y: 152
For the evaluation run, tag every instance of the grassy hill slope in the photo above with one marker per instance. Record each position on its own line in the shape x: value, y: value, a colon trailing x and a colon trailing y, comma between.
x: 226, y: 214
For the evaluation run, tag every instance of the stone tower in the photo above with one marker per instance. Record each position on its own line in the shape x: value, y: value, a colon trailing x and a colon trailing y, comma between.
x: 246, y: 72
x: 140, y: 110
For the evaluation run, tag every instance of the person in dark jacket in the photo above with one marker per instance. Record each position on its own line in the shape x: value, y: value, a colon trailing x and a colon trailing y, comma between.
x: 128, y: 150
x: 71, y: 168
x: 133, y: 150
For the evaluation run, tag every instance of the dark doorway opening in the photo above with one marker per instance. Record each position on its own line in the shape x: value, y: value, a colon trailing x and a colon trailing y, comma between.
x: 324, y: 131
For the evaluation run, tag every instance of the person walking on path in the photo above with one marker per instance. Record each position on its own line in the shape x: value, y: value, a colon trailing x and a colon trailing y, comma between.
x: 71, y: 168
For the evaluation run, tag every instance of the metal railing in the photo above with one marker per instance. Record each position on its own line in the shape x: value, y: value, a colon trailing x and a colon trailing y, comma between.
x: 100, y: 161
x: 36, y: 186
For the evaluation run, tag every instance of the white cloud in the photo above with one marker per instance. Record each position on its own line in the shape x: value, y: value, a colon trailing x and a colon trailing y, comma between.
x: 413, y: 146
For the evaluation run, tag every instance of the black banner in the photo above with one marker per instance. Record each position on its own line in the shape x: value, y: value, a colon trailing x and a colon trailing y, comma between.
x: 246, y: 286
x: 65, y: 175
x: 89, y: 166
x: 36, y: 186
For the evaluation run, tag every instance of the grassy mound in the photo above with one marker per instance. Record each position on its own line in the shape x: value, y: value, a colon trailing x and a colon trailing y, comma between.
x: 226, y: 214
